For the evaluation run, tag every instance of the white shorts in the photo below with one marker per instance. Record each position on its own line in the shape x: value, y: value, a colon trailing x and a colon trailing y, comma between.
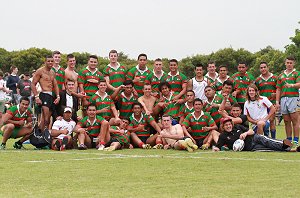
x: 289, y: 104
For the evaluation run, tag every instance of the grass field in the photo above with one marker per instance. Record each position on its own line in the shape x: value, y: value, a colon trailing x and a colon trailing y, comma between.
x: 148, y: 173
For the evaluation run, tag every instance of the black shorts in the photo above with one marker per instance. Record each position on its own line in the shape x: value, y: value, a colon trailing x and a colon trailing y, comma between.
x: 93, y: 144
x: 199, y: 142
x: 111, y: 141
x: 143, y: 139
x: 47, y: 100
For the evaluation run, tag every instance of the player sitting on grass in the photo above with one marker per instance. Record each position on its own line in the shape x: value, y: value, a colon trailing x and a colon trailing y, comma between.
x: 139, y: 128
x: 17, y: 123
x: 62, y: 130
x: 119, y: 136
x: 252, y: 141
x: 173, y: 136
x: 201, y: 126
x: 91, y: 130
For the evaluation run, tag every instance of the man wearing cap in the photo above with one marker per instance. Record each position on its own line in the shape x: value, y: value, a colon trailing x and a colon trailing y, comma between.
x: 252, y: 141
x: 62, y: 131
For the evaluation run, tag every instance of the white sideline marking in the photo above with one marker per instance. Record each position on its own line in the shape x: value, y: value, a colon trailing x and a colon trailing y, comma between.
x: 171, y: 156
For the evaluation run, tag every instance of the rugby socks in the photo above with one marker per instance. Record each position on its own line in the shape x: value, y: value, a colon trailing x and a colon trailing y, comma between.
x: 141, y: 144
x: 158, y: 142
x: 103, y: 143
x: 290, y: 138
x: 296, y: 140
x: 273, y: 133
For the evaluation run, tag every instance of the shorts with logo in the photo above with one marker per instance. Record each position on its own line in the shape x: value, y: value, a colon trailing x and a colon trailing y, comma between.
x: 47, y: 100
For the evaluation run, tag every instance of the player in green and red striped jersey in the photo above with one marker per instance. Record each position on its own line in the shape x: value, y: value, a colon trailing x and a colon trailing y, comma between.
x: 201, y: 125
x: 88, y: 79
x: 228, y: 100
x: 176, y: 79
x: 168, y: 103
x: 114, y: 73
x: 139, y: 73
x: 119, y: 136
x: 125, y: 99
x: 266, y: 84
x: 156, y: 77
x: 59, y: 71
x: 92, y: 130
x: 187, y: 107
x: 242, y: 79
x: 287, y: 94
x: 17, y: 123
x: 213, y: 104
x: 139, y: 128
x: 104, y: 104
x: 223, y: 76
x: 211, y: 75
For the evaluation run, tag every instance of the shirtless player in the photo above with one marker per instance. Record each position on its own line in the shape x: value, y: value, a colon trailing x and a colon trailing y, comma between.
x: 147, y: 100
x: 46, y: 78
x: 173, y: 136
x: 70, y: 72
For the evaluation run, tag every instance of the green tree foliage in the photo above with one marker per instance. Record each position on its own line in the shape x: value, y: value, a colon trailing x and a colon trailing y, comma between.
x: 33, y: 58
x: 294, y: 48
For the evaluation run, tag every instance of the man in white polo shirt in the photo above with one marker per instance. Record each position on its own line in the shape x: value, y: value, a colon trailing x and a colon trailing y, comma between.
x: 62, y: 131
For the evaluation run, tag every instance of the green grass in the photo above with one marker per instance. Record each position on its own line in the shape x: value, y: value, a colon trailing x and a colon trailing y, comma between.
x: 148, y: 173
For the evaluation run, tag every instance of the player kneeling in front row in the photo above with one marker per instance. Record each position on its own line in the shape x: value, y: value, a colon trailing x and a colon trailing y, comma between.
x: 252, y: 141
x: 119, y: 136
x: 173, y: 136
x: 17, y: 123
x: 62, y: 130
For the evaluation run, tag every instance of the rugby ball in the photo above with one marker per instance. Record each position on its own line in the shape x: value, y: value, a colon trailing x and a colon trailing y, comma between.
x: 238, y: 145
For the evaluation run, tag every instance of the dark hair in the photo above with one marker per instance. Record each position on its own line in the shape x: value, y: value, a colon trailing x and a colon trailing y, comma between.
x: 91, y: 105
x: 197, y: 99
x: 12, y: 68
x: 69, y: 80
x: 236, y: 105
x: 69, y: 56
x: 228, y: 82
x: 263, y: 62
x: 126, y: 118
x: 24, y: 98
x: 163, y: 84
x: 93, y: 56
x: 142, y: 55
x: 292, y: 58
x: 55, y: 52
x: 199, y: 65
x: 211, y: 62
x: 128, y: 82
x: 208, y: 86
x: 136, y: 103
x: 242, y: 62
x: 166, y: 115
x: 1, y: 73
x: 112, y: 52
x: 100, y: 81
x: 48, y: 56
x: 173, y: 61
x: 158, y: 59
x: 190, y: 91
x: 223, y: 66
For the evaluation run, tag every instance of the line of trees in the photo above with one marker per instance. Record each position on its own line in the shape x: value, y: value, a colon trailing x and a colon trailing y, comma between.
x: 33, y: 58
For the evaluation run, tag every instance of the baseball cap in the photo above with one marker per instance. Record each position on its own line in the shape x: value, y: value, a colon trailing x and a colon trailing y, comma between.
x: 67, y: 109
x: 223, y: 120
